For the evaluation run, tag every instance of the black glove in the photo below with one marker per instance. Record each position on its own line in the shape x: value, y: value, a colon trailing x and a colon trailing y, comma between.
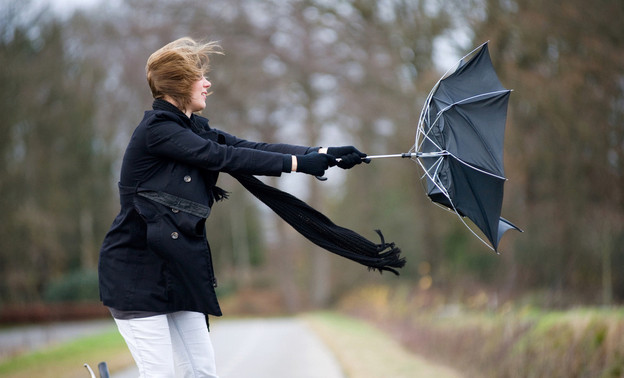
x: 314, y: 163
x: 349, y: 156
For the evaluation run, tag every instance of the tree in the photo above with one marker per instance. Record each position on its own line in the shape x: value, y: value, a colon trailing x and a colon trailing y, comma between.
x: 565, y: 62
x: 53, y: 163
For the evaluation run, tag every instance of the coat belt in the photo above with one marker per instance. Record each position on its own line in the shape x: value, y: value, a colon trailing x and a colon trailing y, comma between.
x: 169, y: 200
x: 174, y: 202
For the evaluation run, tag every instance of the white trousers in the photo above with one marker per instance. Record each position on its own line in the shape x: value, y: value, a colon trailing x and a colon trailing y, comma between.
x: 171, y: 345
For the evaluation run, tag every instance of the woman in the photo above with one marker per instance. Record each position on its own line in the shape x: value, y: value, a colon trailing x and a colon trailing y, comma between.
x: 155, y: 268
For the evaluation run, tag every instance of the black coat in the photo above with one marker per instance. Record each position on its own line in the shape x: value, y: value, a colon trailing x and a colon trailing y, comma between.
x: 155, y: 256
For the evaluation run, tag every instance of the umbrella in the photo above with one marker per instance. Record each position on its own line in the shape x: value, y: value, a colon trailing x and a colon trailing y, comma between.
x: 459, y: 144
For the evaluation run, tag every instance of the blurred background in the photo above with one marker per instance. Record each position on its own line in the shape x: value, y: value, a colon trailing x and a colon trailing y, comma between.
x: 320, y: 72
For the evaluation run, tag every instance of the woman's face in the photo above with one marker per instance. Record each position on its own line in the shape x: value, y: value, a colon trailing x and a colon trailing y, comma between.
x: 199, y: 91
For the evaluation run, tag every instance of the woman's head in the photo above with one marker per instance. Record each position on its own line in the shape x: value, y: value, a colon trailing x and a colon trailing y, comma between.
x: 173, y: 70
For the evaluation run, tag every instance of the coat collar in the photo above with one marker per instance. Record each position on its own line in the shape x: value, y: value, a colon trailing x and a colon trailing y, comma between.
x: 192, y: 122
x: 160, y: 104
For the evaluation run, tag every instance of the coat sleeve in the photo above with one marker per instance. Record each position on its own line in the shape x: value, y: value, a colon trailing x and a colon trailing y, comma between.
x: 224, y: 138
x: 283, y: 148
x: 166, y: 138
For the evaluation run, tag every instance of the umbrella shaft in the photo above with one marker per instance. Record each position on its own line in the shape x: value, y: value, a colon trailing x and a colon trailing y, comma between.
x: 404, y: 155
x: 411, y: 155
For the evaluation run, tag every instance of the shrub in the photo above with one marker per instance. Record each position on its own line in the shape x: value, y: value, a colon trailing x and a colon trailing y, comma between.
x: 78, y: 286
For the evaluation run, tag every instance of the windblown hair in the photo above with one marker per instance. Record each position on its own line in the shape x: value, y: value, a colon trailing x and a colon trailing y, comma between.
x: 172, y: 70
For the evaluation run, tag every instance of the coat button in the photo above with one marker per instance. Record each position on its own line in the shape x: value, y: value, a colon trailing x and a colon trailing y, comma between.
x: 187, y: 178
x: 174, y: 235
x: 175, y: 211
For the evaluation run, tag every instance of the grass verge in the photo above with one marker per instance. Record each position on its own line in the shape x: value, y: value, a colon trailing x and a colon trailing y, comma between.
x: 364, y: 351
x: 67, y: 360
x: 497, y: 341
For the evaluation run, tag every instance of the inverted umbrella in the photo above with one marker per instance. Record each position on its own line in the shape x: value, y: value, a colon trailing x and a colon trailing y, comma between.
x: 459, y: 144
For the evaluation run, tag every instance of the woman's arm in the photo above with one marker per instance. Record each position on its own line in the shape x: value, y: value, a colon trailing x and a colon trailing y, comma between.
x: 283, y: 148
x: 168, y: 139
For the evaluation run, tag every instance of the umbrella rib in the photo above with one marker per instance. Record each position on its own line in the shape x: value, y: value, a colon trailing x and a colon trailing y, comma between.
x: 434, y: 177
x: 488, y: 94
x: 431, y: 177
x: 467, y: 99
x: 446, y: 194
x: 425, y: 135
x: 477, y: 168
x: 425, y: 109
x: 472, y: 231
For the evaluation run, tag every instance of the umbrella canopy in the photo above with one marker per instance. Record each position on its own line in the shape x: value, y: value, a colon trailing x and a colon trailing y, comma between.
x: 459, y: 143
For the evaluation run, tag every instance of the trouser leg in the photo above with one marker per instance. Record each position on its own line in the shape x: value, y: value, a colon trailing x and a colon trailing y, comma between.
x: 193, y: 352
x: 149, y: 341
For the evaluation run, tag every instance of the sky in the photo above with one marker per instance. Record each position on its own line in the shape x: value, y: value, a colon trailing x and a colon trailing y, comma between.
x: 65, y: 7
x: 444, y: 57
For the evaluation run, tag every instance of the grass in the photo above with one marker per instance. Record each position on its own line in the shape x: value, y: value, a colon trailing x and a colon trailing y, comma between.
x: 510, y: 340
x: 364, y: 351
x: 67, y: 359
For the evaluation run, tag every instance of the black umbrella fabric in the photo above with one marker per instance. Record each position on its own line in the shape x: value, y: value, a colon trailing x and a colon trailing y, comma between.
x: 459, y: 144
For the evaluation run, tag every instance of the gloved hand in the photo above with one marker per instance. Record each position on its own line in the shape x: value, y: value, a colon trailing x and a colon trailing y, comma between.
x: 349, y: 156
x: 314, y: 163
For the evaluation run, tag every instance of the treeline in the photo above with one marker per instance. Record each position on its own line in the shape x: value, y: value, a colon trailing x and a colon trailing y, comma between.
x: 311, y: 72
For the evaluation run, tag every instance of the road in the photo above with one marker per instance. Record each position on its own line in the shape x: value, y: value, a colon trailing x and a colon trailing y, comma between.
x: 259, y: 348
x: 276, y: 348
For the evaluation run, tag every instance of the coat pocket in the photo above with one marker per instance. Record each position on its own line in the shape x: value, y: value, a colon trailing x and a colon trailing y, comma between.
x: 169, y: 229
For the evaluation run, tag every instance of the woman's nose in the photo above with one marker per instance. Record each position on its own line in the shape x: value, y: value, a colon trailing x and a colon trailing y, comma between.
x: 207, y: 83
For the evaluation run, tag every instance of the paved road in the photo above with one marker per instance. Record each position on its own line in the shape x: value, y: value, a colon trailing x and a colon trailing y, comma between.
x: 276, y: 348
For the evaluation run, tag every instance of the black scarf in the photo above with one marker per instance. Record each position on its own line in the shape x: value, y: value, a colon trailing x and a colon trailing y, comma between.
x: 312, y: 224
x: 321, y: 231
